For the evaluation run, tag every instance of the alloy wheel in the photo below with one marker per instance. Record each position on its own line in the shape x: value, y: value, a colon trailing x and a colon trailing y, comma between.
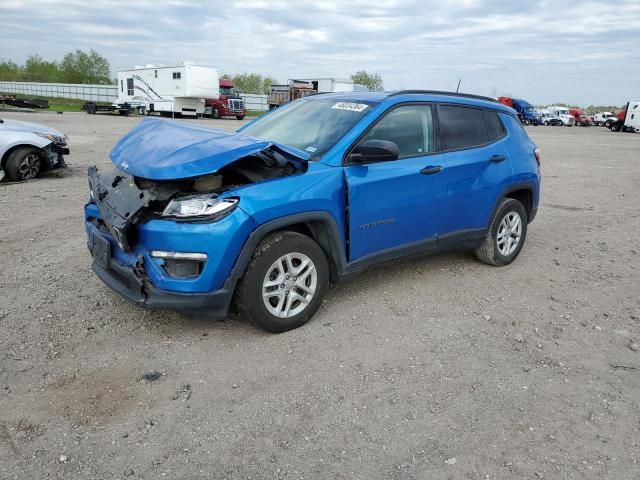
x: 30, y: 166
x: 289, y: 285
x: 509, y: 233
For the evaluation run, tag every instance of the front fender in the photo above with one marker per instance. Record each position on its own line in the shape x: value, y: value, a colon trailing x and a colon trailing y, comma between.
x: 20, y: 139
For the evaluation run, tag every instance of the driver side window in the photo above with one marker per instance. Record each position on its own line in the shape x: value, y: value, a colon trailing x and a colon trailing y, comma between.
x: 410, y: 127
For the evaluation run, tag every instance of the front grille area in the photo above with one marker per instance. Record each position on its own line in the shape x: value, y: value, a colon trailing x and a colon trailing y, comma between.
x: 236, y: 105
x: 130, y: 283
x: 122, y: 279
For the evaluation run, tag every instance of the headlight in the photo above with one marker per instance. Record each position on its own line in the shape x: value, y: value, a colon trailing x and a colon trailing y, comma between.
x: 54, y: 138
x: 202, y: 206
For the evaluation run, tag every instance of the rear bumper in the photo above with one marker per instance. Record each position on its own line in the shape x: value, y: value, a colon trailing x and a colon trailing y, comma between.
x: 123, y: 280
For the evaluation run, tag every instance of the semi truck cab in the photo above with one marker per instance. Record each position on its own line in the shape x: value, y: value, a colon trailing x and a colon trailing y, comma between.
x: 580, y: 116
x: 229, y: 103
x: 526, y: 112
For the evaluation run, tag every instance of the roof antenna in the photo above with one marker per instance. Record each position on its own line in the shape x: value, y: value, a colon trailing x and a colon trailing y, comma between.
x: 458, y: 87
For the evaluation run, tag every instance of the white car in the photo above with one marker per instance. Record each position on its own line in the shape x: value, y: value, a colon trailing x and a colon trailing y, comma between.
x: 27, y: 148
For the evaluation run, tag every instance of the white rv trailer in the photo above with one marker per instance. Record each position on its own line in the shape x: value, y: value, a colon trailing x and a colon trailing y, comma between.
x: 167, y: 89
x: 326, y: 85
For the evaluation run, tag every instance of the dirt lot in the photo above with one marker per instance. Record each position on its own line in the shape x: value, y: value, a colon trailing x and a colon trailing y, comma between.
x: 439, y: 367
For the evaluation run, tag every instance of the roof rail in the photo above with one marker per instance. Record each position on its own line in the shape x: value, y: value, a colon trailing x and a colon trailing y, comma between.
x: 440, y: 92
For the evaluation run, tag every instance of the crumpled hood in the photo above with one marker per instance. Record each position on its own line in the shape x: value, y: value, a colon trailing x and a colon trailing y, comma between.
x: 20, y: 126
x: 166, y: 150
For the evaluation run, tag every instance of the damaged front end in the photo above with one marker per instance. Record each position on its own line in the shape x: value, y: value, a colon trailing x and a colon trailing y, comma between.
x: 124, y: 200
x: 165, y: 225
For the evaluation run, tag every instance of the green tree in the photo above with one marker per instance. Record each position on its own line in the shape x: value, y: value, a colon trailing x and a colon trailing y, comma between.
x: 251, y: 82
x: 248, y: 82
x: 81, y: 67
x: 10, y: 71
x: 372, y: 81
x: 38, y: 70
x: 266, y: 84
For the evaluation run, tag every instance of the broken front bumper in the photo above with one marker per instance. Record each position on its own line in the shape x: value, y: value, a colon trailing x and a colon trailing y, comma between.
x: 143, y: 280
x: 124, y: 280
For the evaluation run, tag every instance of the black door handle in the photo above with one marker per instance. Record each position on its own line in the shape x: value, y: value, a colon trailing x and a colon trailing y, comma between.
x: 497, y: 158
x: 431, y: 169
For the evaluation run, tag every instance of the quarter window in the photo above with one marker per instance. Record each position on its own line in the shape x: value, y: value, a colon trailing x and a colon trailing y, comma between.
x: 410, y: 127
x: 495, y: 127
x: 462, y: 127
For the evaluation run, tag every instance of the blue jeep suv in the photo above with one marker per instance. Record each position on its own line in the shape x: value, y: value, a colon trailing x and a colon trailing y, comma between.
x: 197, y: 220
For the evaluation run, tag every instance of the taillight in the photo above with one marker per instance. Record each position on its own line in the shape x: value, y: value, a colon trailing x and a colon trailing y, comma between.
x: 538, y: 155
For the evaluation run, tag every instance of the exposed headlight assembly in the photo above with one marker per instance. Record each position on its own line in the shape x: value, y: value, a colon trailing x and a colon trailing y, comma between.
x: 54, y: 138
x: 201, y: 206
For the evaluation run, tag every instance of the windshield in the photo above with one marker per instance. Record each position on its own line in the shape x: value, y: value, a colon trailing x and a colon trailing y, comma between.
x: 310, y: 125
x: 529, y: 109
x: 227, y: 91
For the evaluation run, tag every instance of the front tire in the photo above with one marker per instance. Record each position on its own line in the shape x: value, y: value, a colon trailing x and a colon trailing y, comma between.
x: 240, y: 117
x: 23, y: 164
x: 506, y: 235
x: 284, y: 283
x: 215, y: 113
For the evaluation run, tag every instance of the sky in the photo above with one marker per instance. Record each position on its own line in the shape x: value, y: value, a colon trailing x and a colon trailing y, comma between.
x: 577, y: 52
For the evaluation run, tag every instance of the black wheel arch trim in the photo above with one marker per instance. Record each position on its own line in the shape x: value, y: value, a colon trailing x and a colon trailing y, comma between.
x: 531, y: 210
x: 9, y: 151
x: 323, y: 227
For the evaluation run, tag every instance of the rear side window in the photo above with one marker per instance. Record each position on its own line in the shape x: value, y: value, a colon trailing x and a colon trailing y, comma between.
x: 462, y: 127
x: 495, y: 128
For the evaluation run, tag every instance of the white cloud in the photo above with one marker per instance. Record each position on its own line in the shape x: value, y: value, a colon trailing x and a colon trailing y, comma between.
x: 545, y: 51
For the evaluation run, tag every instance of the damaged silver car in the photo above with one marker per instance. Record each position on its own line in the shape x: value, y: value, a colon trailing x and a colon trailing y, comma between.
x: 27, y: 149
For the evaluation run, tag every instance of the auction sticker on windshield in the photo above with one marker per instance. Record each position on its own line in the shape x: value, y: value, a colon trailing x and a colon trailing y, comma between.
x: 353, y: 107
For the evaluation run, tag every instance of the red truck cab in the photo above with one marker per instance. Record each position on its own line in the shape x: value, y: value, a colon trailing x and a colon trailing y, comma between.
x: 581, y: 117
x: 509, y: 103
x: 229, y: 104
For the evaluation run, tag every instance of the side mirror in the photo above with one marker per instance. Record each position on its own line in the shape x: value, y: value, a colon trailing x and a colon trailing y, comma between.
x: 374, y: 150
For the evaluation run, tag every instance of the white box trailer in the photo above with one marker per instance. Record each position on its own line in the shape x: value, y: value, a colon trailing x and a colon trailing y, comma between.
x: 324, y: 85
x: 167, y: 89
x: 631, y: 122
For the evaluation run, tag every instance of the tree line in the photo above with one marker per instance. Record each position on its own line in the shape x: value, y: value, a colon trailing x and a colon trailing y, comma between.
x: 75, y: 67
x: 256, y: 83
x: 91, y: 67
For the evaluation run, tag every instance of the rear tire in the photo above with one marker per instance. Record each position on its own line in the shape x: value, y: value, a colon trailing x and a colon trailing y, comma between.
x: 284, y: 283
x: 23, y: 164
x: 508, y: 225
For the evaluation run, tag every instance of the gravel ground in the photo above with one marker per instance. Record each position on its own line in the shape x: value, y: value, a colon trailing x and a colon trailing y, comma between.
x: 437, y: 367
